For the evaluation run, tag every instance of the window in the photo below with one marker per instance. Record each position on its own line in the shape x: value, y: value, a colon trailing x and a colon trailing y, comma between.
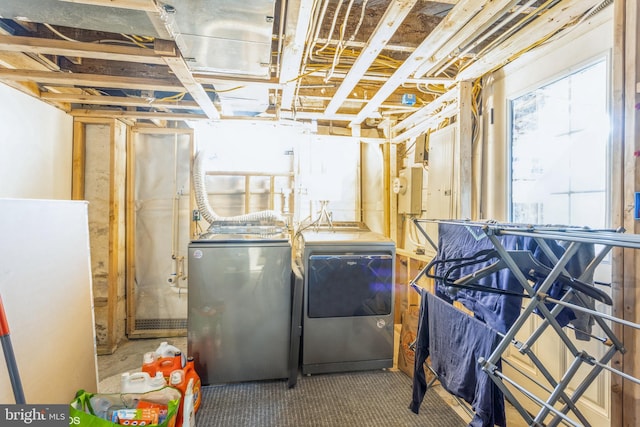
x: 559, y: 151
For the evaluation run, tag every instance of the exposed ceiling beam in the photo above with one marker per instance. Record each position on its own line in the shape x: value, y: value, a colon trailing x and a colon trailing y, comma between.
x: 449, y: 26
x: 119, y: 100
x: 210, y: 79
x: 298, y: 17
x: 81, y: 49
x: 382, y: 78
x: 20, y: 60
x: 546, y: 24
x: 387, y: 26
x: 307, y: 115
x: 91, y: 80
x: 118, y: 114
x: 144, y: 5
x: 476, y: 25
x: 362, y: 45
x: 426, y: 111
x: 197, y: 92
x: 429, y: 122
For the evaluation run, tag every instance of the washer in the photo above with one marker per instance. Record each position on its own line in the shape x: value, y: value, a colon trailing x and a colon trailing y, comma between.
x: 239, y: 320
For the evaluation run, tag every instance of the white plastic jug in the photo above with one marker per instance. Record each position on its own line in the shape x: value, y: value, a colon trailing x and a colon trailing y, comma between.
x: 141, y: 382
x: 188, y: 412
x: 167, y: 350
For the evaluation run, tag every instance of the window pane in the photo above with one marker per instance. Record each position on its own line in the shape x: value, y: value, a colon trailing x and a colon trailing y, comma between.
x: 559, y: 137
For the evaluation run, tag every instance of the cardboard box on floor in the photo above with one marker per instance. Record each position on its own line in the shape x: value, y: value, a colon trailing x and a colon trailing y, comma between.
x: 408, y: 334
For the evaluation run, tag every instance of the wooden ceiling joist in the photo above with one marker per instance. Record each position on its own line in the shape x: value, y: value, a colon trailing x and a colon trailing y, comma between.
x: 117, y: 114
x: 120, y: 100
x: 447, y: 28
x: 81, y: 49
x: 297, y: 22
x: 91, y: 80
x: 144, y: 5
x: 195, y: 89
x: 548, y: 23
x: 477, y: 25
x: 387, y: 26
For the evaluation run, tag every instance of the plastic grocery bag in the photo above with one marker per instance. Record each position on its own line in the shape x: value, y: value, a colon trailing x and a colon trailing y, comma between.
x: 98, y: 409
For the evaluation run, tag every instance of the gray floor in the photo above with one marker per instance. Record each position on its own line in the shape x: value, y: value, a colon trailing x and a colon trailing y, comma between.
x: 128, y: 358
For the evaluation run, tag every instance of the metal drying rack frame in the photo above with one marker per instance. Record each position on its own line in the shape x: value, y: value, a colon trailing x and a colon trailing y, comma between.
x: 537, y: 302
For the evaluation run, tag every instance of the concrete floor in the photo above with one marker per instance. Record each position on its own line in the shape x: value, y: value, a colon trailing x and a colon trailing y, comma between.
x: 128, y: 358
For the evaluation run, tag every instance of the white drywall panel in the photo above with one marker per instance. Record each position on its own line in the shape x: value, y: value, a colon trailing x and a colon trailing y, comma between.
x: 36, y: 148
x: 45, y: 283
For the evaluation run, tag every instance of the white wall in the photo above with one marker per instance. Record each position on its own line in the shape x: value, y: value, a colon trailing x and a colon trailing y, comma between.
x: 45, y: 283
x: 532, y: 70
x: 35, y: 151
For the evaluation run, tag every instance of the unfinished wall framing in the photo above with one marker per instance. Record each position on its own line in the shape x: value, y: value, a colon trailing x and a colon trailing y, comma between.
x: 99, y: 174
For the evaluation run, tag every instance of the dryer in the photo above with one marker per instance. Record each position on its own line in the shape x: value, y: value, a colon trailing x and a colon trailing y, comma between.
x: 348, y: 300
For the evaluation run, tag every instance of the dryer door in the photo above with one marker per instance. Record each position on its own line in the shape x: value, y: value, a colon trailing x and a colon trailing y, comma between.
x: 349, y: 285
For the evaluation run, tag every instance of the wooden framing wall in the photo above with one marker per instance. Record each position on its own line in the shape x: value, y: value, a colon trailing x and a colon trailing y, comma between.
x: 106, y: 225
x: 626, y: 182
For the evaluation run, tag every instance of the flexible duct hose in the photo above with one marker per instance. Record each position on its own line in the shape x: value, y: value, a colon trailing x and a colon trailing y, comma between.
x: 268, y: 217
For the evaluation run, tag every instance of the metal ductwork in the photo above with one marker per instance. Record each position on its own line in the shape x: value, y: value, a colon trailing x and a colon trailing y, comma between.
x: 217, y: 37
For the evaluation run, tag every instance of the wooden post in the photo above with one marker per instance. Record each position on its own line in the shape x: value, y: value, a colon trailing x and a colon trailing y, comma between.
x: 625, y: 397
x: 465, y: 123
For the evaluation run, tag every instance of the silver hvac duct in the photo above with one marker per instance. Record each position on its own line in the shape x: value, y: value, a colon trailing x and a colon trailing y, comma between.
x: 268, y: 217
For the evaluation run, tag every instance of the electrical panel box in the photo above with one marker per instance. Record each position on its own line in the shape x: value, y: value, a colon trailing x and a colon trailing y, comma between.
x: 409, y: 189
x: 440, y: 198
x: 421, y: 153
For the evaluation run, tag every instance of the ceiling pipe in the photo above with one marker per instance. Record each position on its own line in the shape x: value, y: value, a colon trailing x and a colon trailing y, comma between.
x: 476, y: 25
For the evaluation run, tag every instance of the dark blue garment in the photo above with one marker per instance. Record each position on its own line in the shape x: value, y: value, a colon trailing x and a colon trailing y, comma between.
x: 463, y: 241
x: 455, y: 342
x: 457, y: 241
x: 575, y: 267
x: 421, y: 348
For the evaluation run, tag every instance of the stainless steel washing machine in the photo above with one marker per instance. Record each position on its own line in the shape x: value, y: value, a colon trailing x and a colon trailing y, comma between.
x: 348, y: 300
x: 239, y: 319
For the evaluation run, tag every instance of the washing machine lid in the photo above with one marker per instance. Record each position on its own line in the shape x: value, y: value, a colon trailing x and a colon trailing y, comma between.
x: 244, y: 233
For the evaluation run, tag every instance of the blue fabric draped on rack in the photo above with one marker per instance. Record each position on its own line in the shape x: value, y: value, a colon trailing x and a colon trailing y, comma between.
x: 458, y: 242
x: 455, y: 341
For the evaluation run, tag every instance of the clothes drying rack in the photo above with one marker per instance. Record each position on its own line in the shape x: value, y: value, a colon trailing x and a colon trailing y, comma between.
x: 560, y: 404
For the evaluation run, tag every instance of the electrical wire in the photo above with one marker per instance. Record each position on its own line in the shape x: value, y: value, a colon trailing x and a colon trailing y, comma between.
x: 333, y: 26
x: 134, y: 41
x: 340, y: 46
x: 59, y: 34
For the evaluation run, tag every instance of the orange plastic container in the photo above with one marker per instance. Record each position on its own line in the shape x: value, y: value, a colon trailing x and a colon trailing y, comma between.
x: 166, y: 365
x: 190, y: 372
x: 179, y: 379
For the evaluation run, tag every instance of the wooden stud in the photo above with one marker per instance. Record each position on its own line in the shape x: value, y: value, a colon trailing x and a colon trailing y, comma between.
x: 77, y: 172
x: 465, y: 138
